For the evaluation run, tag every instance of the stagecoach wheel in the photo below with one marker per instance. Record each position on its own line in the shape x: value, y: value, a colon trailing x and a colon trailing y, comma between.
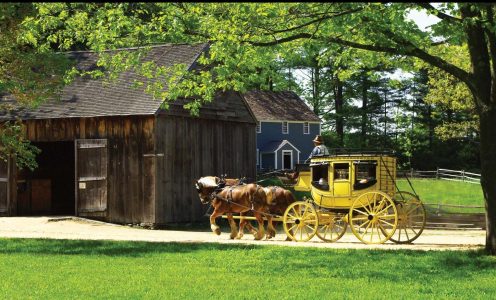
x: 411, y: 218
x: 373, y: 217
x: 300, y: 221
x: 331, y: 226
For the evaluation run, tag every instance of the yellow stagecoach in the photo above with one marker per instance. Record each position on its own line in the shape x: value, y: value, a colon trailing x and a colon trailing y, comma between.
x: 355, y: 189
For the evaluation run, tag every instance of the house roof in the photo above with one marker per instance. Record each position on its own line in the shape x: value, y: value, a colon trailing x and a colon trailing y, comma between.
x: 274, y: 146
x: 87, y: 97
x: 279, y: 106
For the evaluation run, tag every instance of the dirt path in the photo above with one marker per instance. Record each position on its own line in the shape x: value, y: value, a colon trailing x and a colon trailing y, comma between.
x: 76, y: 228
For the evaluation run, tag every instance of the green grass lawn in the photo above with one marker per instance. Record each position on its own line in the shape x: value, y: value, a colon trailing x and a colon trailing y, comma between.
x: 64, y: 269
x: 446, y: 192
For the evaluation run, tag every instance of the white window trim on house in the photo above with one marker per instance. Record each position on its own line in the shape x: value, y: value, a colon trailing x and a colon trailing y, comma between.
x: 287, y: 127
x: 259, y: 127
x: 282, y: 161
x: 306, y: 126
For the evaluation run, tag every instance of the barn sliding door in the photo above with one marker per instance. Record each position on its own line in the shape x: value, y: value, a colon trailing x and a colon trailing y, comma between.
x: 4, y: 187
x: 91, y: 177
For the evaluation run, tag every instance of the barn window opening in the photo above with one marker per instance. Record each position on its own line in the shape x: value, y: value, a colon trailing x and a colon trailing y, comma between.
x: 259, y: 127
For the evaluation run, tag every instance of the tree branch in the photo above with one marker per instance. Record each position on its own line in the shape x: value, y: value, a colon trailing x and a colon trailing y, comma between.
x: 438, y: 13
x: 318, y: 20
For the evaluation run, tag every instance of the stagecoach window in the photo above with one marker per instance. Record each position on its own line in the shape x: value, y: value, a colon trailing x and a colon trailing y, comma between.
x: 365, y: 174
x: 341, y: 171
x: 320, y: 176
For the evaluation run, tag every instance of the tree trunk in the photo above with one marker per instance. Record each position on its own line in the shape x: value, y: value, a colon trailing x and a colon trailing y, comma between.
x: 316, y: 87
x: 364, y: 110
x: 488, y: 168
x: 339, y: 110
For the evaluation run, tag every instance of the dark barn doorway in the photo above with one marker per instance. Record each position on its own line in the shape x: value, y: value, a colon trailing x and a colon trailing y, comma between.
x: 49, y: 189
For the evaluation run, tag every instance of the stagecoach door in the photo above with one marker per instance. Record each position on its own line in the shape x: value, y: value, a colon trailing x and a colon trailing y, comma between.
x: 91, y: 177
x: 341, y: 179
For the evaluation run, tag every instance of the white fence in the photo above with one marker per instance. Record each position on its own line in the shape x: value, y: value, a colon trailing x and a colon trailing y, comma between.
x: 445, y: 174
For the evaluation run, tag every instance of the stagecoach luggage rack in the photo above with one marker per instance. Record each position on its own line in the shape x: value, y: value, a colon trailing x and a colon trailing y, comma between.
x: 358, y: 152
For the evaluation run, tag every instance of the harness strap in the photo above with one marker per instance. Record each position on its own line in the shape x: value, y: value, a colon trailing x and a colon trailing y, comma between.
x: 216, y: 196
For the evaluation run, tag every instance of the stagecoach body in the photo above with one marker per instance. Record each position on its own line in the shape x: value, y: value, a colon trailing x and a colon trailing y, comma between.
x: 336, y: 181
x: 356, y: 189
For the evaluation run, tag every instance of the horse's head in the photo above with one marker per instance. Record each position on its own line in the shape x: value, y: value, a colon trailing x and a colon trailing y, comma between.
x: 205, y: 186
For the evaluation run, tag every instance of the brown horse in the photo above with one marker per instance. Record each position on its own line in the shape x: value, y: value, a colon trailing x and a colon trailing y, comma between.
x: 280, y: 199
x: 232, y: 199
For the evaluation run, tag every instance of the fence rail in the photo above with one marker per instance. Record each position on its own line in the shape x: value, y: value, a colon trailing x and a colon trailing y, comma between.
x: 445, y: 174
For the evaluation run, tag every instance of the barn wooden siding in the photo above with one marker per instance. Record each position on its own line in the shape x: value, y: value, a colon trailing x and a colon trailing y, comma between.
x: 192, y: 149
x: 130, y: 177
x: 221, y: 141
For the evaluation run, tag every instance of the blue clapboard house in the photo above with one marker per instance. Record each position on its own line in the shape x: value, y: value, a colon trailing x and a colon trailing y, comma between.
x: 285, y: 128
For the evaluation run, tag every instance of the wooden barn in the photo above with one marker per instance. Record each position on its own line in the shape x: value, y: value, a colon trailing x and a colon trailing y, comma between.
x: 110, y: 152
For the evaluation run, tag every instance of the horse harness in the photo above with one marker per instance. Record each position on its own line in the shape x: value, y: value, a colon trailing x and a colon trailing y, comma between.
x: 229, y: 201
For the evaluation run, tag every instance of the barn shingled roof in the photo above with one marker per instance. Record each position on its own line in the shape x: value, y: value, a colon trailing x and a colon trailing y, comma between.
x: 279, y: 106
x: 87, y: 97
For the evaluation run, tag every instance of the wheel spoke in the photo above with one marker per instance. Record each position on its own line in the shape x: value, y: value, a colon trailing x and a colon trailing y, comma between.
x: 385, y: 209
x: 296, y: 212
x: 386, y: 222
x: 387, y: 217
x: 383, y: 229
x: 407, y: 237
x: 374, y: 197
x: 366, y: 229
x: 361, y: 212
x: 411, y: 228
x: 291, y: 228
x: 363, y: 224
x: 378, y: 232
x: 413, y: 209
x: 364, y: 206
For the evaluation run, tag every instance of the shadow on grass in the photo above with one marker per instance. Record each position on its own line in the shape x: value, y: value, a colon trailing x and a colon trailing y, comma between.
x: 383, y: 265
x: 108, y: 248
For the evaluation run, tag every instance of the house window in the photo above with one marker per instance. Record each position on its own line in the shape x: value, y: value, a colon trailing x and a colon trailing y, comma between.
x: 285, y: 129
x: 259, y: 127
x: 306, y: 128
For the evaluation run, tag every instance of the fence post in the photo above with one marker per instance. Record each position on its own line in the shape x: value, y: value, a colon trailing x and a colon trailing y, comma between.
x: 437, y: 172
x: 438, y: 209
x: 411, y: 172
x: 463, y: 175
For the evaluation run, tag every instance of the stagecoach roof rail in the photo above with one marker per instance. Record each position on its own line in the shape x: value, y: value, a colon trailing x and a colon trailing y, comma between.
x: 358, y: 152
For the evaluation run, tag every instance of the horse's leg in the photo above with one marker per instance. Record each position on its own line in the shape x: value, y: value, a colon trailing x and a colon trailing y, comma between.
x: 260, y: 221
x: 215, y: 228
x: 271, y: 231
x: 242, y: 223
x: 232, y: 224
x: 250, y: 228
